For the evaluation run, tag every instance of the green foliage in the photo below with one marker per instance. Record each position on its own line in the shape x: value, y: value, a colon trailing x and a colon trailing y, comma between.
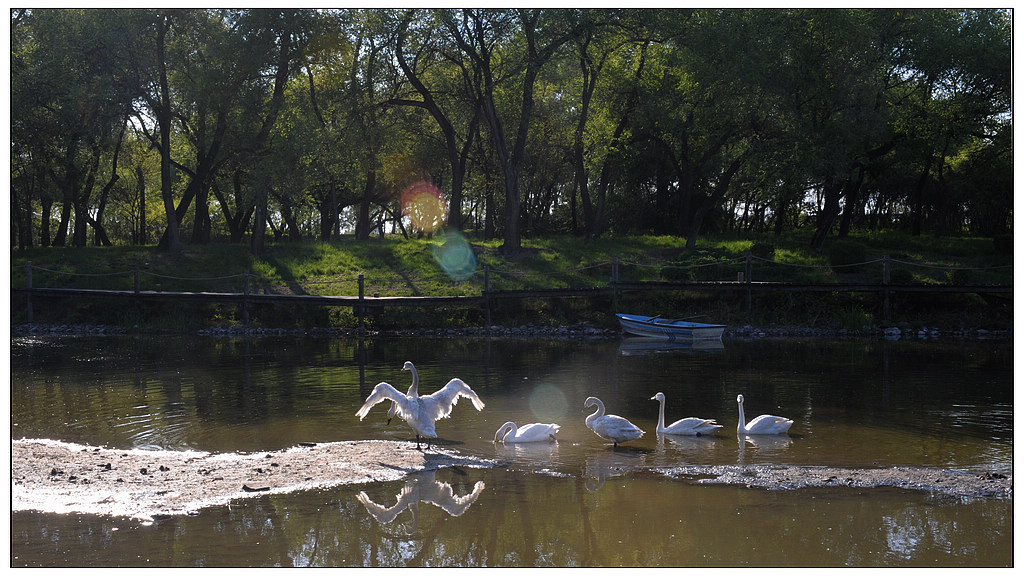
x: 394, y: 266
x: 665, y: 122
x: 847, y: 256
x: 763, y: 250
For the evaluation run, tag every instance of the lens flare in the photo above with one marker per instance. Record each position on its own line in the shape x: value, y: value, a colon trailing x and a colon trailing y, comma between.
x: 548, y: 403
x: 425, y: 206
x: 455, y: 256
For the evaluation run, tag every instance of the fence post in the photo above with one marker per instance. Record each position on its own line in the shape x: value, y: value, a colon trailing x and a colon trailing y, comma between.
x: 748, y: 272
x: 361, y: 307
x: 28, y: 277
x: 487, y: 295
x: 885, y: 287
x: 245, y: 299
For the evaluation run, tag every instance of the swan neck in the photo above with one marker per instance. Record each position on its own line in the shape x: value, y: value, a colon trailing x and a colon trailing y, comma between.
x: 661, y: 414
x: 741, y: 426
x: 598, y: 413
x: 503, y: 432
x: 414, y: 390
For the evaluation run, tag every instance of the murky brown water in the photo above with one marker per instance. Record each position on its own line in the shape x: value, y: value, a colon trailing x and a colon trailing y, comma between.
x: 577, y: 503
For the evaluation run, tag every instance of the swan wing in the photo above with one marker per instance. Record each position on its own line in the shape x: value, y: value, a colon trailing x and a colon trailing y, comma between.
x: 439, y: 404
x: 767, y: 423
x: 616, y: 428
x: 380, y: 393
x: 691, y: 426
x: 689, y: 423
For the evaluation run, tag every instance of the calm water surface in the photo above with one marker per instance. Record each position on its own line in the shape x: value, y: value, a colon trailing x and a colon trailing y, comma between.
x: 858, y: 404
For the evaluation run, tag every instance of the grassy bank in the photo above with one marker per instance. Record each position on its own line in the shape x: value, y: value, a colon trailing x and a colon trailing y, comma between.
x: 455, y: 266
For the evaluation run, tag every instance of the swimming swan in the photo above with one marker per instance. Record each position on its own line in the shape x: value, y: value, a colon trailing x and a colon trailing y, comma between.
x: 420, y: 412
x: 686, y: 426
x: 610, y: 427
x: 536, y: 432
x: 763, y: 424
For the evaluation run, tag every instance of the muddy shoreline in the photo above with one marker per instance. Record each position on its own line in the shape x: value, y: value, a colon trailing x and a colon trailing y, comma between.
x: 60, y: 477
x: 577, y: 331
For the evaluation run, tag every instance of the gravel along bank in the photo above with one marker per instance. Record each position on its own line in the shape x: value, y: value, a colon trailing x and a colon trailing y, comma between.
x: 938, y: 481
x: 53, y: 476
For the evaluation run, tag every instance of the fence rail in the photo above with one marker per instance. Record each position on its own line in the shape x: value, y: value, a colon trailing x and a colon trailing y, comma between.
x: 362, y: 304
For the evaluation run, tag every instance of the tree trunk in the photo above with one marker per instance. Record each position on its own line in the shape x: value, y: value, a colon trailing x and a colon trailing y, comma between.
x: 833, y: 191
x: 45, y: 207
x: 595, y: 225
x: 163, y: 116
x: 259, y: 225
x: 363, y: 221
x: 140, y: 178
x: 101, y: 238
x: 721, y: 186
x: 851, y: 205
x: 917, y: 208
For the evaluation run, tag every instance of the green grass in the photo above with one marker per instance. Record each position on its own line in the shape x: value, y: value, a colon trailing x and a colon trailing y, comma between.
x: 394, y: 266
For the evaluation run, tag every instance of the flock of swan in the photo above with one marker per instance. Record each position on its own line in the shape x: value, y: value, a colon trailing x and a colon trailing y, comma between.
x: 421, y: 412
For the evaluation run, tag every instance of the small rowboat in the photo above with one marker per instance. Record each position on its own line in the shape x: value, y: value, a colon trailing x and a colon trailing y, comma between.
x: 669, y: 329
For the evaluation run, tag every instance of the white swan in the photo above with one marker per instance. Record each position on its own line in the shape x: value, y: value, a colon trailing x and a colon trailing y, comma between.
x: 763, y: 424
x: 610, y: 427
x: 686, y: 426
x: 420, y: 412
x: 536, y: 432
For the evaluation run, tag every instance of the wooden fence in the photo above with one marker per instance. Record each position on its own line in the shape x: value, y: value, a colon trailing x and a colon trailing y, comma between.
x: 361, y: 304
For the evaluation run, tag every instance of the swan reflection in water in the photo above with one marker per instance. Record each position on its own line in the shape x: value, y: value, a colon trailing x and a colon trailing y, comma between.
x: 689, y: 448
x: 763, y: 445
x: 421, y: 487
x: 604, y: 465
x: 544, y: 453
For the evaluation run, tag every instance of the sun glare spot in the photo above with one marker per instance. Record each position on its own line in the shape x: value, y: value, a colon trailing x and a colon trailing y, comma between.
x: 455, y: 256
x: 425, y: 206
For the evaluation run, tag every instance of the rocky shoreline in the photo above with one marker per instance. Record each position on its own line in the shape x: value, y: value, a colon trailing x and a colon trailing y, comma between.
x: 578, y: 331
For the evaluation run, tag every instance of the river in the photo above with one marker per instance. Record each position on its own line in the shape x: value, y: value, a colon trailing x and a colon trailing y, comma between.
x: 856, y: 404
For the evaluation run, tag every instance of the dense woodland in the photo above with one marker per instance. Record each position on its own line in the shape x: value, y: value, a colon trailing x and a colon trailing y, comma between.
x: 144, y: 126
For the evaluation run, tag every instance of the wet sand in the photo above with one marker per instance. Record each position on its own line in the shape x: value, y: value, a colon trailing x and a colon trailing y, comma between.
x: 52, y: 476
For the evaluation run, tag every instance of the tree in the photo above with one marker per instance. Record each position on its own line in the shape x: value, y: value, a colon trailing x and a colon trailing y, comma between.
x: 599, y: 43
x: 459, y: 99
x: 666, y: 121
x: 486, y: 37
x: 72, y: 99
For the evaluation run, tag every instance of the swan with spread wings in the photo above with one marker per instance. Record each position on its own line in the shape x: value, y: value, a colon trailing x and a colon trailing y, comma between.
x: 420, y: 412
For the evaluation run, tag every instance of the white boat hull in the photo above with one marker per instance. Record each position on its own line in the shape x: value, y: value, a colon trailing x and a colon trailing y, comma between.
x: 668, y: 329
